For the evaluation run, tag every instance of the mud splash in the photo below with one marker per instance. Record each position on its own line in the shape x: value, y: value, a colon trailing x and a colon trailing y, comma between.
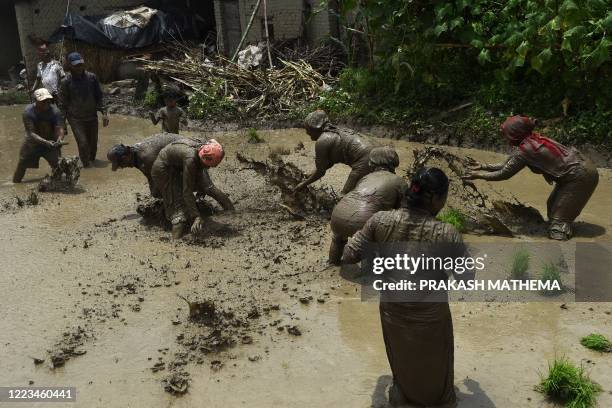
x: 63, y: 178
x: 505, y: 216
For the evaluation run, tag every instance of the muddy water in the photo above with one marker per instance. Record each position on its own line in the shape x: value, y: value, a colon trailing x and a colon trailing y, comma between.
x: 68, y: 253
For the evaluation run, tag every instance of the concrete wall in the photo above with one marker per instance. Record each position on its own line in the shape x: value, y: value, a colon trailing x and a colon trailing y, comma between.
x: 9, y: 38
x: 43, y: 17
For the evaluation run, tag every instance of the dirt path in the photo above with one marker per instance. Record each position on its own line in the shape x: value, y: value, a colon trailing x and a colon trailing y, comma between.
x: 82, y: 273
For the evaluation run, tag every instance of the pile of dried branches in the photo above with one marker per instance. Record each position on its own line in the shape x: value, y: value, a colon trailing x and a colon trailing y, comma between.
x: 267, y: 91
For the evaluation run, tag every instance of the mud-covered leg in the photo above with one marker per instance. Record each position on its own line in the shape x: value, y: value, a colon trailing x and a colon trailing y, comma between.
x: 336, y: 248
x: 80, y: 136
x: 92, y: 139
x: 19, y: 172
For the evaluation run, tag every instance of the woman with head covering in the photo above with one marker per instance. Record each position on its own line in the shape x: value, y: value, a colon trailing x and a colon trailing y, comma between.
x: 176, y: 173
x: 378, y: 191
x: 334, y: 146
x: 575, y: 177
x: 418, y: 335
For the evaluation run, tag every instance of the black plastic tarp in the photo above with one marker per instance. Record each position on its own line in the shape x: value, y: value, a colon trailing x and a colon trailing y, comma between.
x: 160, y: 28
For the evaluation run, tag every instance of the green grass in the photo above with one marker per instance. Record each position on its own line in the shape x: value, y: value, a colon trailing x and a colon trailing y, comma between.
x: 14, y: 98
x: 569, y: 385
x: 597, y: 342
x: 520, y: 264
x: 454, y: 218
x: 550, y: 272
x: 253, y: 136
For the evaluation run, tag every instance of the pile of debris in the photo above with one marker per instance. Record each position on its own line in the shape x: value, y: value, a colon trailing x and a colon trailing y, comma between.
x: 484, y: 215
x: 64, y: 177
x: 263, y: 91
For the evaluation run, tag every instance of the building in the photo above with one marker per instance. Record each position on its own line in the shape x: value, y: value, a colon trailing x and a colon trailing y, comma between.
x: 287, y: 20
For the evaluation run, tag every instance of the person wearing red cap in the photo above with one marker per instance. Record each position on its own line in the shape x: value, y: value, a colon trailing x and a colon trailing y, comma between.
x: 176, y: 173
x: 575, y: 177
x: 142, y: 155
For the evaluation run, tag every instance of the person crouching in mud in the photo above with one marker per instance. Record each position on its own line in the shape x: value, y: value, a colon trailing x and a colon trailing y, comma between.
x: 44, y: 134
x: 334, y: 146
x: 142, y: 155
x: 177, y: 173
x: 378, y: 191
x: 575, y: 177
x: 418, y: 335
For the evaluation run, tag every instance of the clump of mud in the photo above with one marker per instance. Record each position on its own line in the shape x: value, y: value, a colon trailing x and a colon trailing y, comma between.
x: 69, y: 346
x: 19, y: 202
x: 286, y: 175
x: 64, y: 177
x: 484, y: 215
x: 176, y: 383
x: 151, y: 209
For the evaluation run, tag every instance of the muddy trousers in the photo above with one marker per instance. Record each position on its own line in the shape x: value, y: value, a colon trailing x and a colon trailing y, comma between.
x: 86, y: 136
x: 569, y: 197
x: 169, y: 183
x: 30, y: 159
x: 420, y: 349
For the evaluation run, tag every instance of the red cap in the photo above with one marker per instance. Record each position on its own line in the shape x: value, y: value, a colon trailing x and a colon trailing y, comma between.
x: 211, y: 153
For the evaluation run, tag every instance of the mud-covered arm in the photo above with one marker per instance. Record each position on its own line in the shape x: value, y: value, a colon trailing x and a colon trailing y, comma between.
x: 98, y: 96
x: 207, y: 187
x: 353, y: 251
x: 190, y: 175
x: 513, y: 165
x: 322, y: 162
x: 31, y: 135
x: 460, y: 250
x: 183, y: 117
x: 492, y: 167
x: 157, y: 116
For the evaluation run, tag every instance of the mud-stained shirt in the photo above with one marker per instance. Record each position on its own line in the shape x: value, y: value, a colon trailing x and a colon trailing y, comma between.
x: 541, y: 155
x: 341, y: 146
x: 380, y: 190
x: 147, y: 151
x: 183, y: 156
x: 81, y: 97
x: 171, y: 118
x: 401, y: 225
x: 50, y: 75
x: 41, y: 123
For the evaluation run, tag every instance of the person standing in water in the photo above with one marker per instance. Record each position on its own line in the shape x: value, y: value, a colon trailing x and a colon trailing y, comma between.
x: 44, y: 134
x: 80, y: 98
x: 378, y: 191
x: 49, y: 73
x: 334, y: 146
x: 575, y: 177
x: 418, y: 335
x: 171, y: 115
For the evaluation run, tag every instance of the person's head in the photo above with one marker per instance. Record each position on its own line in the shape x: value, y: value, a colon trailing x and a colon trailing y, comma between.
x: 384, y: 158
x: 211, y: 153
x: 120, y: 156
x: 171, y: 96
x: 76, y: 63
x: 43, y: 99
x: 43, y: 53
x: 315, y: 123
x: 428, y: 190
x: 516, y: 128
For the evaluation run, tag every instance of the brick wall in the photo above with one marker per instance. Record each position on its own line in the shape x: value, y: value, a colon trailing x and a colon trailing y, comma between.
x: 43, y: 17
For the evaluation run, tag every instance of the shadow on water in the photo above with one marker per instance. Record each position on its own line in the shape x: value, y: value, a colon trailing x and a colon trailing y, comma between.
x: 588, y: 230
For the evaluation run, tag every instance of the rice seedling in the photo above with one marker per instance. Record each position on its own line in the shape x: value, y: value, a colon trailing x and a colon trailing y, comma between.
x: 569, y: 385
x: 520, y: 264
x: 597, y: 342
x: 453, y: 217
x: 551, y: 273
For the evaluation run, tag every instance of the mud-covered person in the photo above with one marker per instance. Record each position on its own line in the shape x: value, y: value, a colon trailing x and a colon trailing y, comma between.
x: 575, y: 177
x: 44, y: 134
x: 49, y: 73
x: 177, y: 173
x: 142, y: 155
x: 418, y: 336
x: 171, y: 115
x: 80, y: 100
x: 333, y: 146
x: 380, y: 190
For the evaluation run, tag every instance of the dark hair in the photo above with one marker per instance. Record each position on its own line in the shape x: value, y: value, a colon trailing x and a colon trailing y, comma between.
x: 425, y: 183
x: 117, y: 151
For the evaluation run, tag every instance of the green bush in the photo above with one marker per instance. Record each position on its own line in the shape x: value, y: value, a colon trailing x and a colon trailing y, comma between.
x: 14, y: 98
x: 206, y: 104
x: 150, y: 99
x: 569, y: 385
